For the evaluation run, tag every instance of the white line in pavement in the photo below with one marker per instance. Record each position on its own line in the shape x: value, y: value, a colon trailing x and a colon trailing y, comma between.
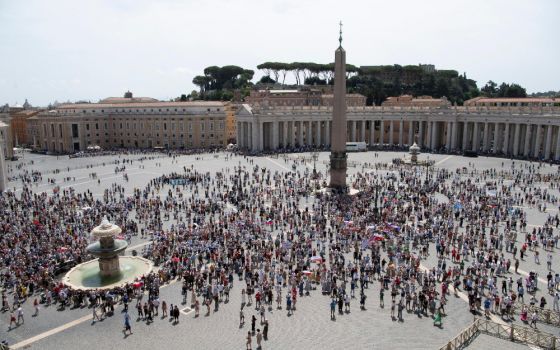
x: 48, y: 333
x: 64, y: 327
x: 280, y: 165
x: 443, y: 160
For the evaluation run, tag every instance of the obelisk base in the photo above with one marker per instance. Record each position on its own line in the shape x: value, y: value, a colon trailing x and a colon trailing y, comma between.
x: 338, y: 171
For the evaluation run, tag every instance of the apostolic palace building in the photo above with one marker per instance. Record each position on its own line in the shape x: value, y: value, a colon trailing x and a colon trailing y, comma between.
x: 518, y: 127
x: 132, y: 122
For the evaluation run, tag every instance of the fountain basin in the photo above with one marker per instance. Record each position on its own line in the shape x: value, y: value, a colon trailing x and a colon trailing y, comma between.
x: 98, y: 250
x: 88, y: 276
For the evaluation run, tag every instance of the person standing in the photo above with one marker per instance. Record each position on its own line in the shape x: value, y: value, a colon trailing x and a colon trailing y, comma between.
x: 127, y: 327
x: 249, y: 341
x: 36, y: 306
x: 95, y: 315
x: 176, y: 312
x: 253, y: 321
x: 241, y: 318
x: 12, y: 320
x: 163, y: 309
x: 20, y: 315
x: 259, y: 339
x: 265, y: 330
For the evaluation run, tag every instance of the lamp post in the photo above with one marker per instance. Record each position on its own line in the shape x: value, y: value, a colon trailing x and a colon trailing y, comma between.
x: 376, y: 208
x: 239, y: 190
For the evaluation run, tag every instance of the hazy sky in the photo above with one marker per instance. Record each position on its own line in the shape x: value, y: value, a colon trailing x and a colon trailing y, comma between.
x: 81, y: 49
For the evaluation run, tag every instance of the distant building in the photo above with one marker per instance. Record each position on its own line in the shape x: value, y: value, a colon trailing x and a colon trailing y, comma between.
x: 513, y: 102
x: 131, y: 122
x: 420, y: 101
x: 428, y: 68
x: 302, y: 97
x: 19, y: 126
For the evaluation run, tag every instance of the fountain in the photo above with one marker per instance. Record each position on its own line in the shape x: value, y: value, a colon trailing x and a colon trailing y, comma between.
x: 109, y: 269
x: 414, y: 151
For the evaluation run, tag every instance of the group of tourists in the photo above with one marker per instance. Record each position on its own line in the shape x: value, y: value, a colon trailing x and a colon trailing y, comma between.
x: 415, y: 234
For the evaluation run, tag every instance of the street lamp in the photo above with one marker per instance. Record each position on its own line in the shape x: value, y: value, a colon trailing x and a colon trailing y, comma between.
x: 315, y: 156
x: 239, y: 190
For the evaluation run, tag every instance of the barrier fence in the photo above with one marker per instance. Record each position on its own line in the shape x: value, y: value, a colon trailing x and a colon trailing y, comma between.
x: 511, y: 332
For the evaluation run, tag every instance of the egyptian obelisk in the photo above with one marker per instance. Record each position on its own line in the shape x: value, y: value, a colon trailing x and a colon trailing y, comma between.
x: 338, y: 143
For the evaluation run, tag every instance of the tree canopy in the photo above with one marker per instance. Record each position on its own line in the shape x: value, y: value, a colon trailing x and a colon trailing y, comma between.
x: 219, y: 82
x: 491, y: 89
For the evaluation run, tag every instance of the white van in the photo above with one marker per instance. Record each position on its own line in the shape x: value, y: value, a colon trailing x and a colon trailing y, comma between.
x: 356, y: 147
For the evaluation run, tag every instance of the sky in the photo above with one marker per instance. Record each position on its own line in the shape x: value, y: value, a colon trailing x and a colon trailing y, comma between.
x: 69, y: 50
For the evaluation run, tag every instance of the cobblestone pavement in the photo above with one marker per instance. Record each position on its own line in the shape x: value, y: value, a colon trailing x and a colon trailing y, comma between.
x: 310, y: 326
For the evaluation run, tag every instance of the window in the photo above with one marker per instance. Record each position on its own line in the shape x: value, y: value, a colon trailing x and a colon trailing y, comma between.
x: 96, y: 126
x: 75, y: 132
x: 87, y: 126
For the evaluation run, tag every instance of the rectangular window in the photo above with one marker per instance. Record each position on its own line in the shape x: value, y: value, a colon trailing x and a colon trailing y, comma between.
x: 75, y: 132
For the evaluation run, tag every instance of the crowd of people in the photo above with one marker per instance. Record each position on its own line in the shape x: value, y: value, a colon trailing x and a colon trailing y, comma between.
x: 413, y: 233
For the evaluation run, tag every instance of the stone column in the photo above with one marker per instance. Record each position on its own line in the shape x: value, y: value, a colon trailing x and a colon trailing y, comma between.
x: 429, y: 127
x: 411, y: 133
x: 485, y: 136
x: 382, y: 133
x: 371, y: 132
x: 454, y: 132
x: 363, y: 131
x: 505, y: 149
x: 391, y: 130
x: 421, y: 133
x: 261, y: 135
x: 318, y: 133
x: 448, y: 136
x: 548, y: 142
x: 527, y: 148
x: 352, y: 130
x: 538, y: 137
x: 309, y: 133
x: 516, y: 140
x: 300, y: 133
x: 401, y: 135
x: 328, y: 132
x: 476, y: 144
x: 275, y: 136
x: 238, y: 140
x: 496, y: 137
x: 465, y: 135
x: 285, y: 135
x: 433, y: 136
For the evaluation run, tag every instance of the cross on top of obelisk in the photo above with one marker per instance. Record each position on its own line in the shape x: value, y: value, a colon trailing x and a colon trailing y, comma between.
x: 340, y: 36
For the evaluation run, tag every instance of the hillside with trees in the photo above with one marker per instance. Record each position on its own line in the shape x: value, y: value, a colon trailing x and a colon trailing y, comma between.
x: 376, y: 83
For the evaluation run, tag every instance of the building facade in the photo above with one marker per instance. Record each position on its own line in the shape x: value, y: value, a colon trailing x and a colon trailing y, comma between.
x: 420, y: 101
x: 530, y: 132
x: 304, y: 97
x: 130, y: 123
x: 19, y: 127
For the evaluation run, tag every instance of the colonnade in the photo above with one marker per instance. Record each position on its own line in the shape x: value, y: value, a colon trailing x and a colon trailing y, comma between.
x: 530, y: 139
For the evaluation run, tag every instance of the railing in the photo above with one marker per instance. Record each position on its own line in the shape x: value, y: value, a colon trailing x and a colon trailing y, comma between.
x: 464, y: 338
x: 514, y: 333
x: 543, y: 315
x: 517, y: 333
